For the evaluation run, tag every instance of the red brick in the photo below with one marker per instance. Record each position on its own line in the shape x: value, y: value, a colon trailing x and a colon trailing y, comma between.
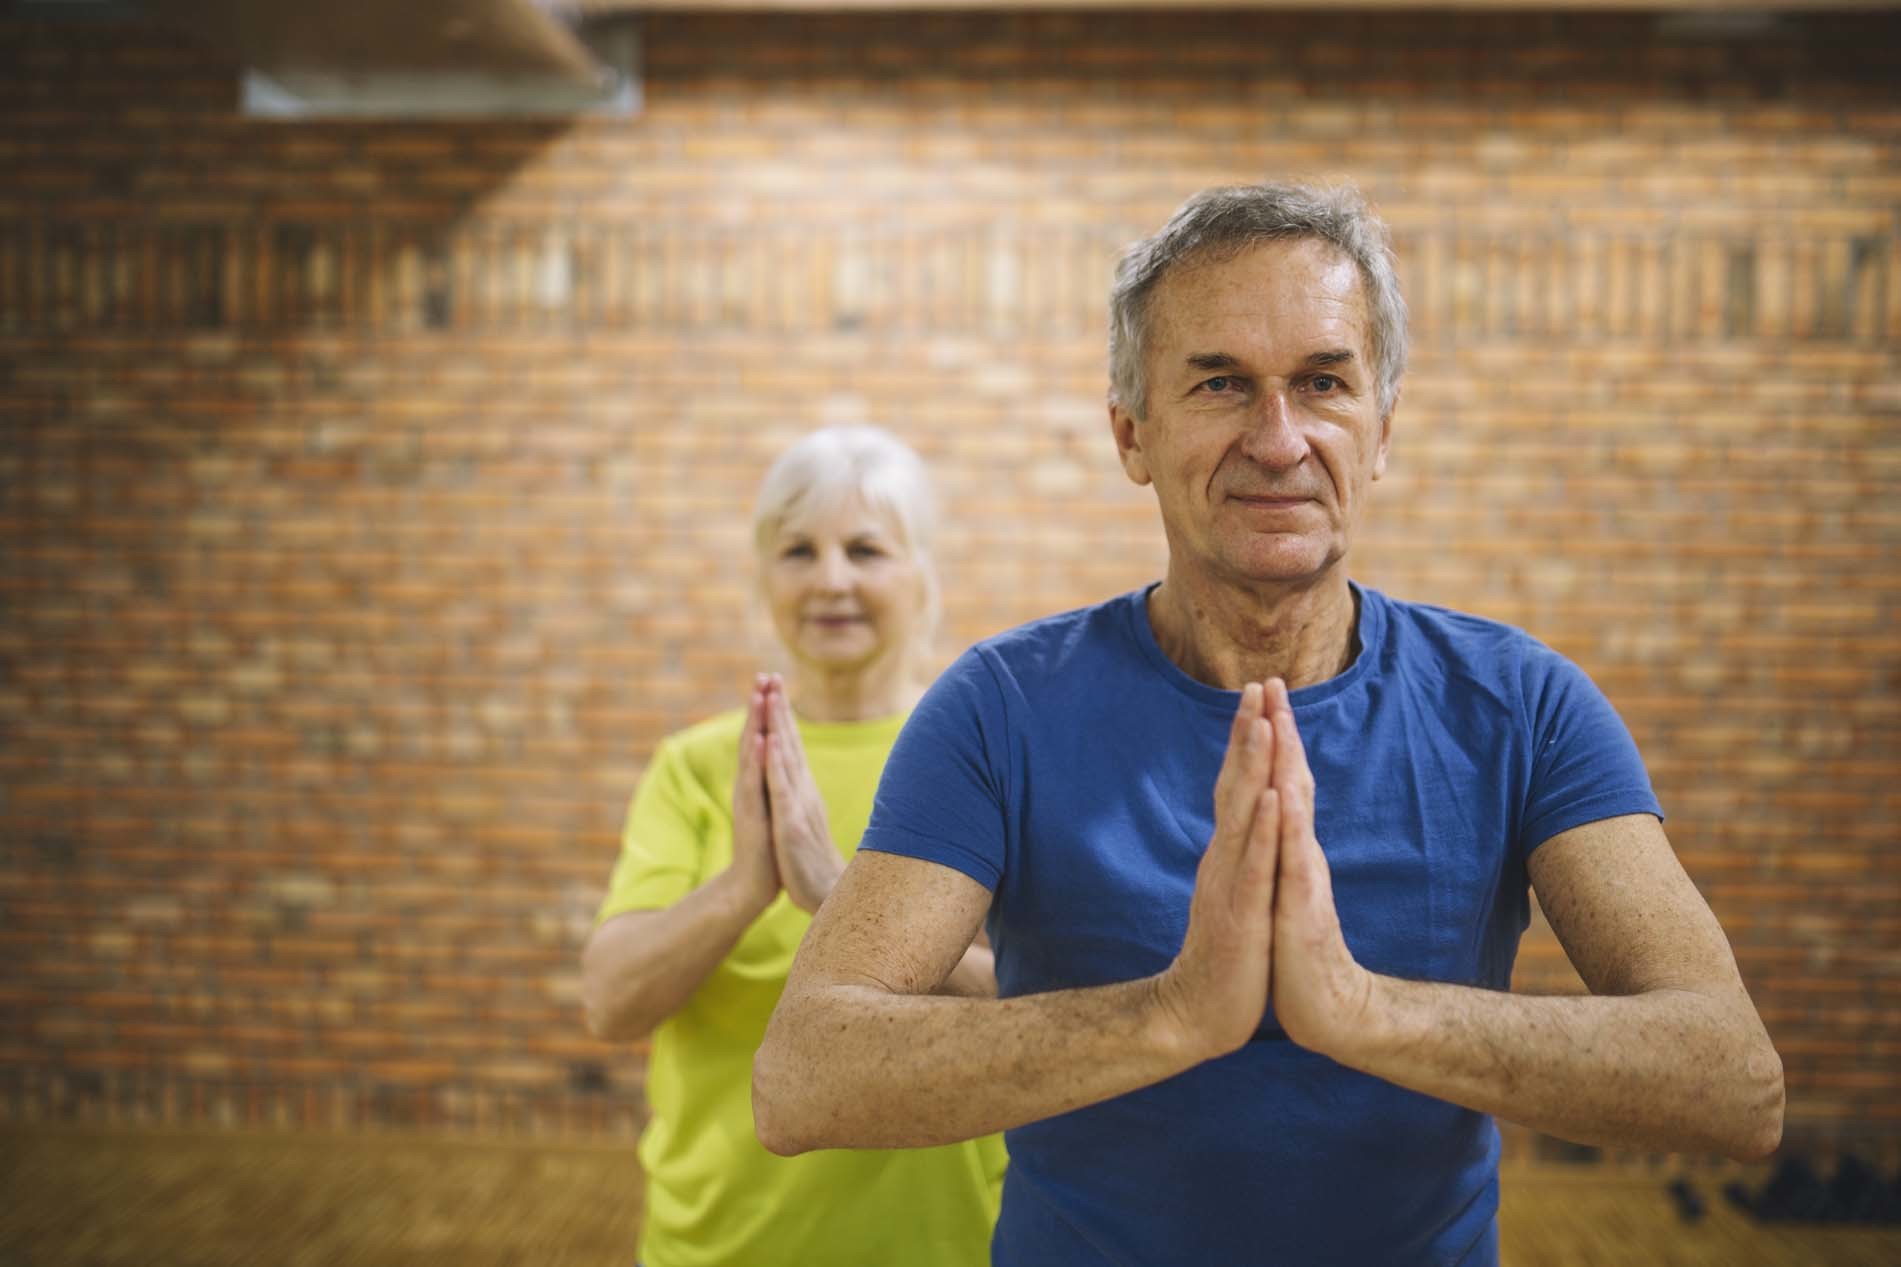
x: 336, y: 664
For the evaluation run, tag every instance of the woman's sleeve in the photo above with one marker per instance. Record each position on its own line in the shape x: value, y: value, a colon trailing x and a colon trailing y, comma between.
x: 663, y: 842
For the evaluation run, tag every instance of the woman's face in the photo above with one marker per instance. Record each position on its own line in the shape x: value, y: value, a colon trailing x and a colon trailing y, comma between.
x: 843, y: 590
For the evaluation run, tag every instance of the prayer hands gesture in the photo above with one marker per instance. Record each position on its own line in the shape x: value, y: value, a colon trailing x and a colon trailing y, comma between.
x: 1262, y: 923
x: 781, y: 838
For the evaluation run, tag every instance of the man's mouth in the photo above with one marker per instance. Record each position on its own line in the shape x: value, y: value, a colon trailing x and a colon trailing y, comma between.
x: 1270, y: 499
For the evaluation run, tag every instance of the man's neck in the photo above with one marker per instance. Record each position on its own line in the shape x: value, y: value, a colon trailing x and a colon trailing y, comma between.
x: 1228, y: 636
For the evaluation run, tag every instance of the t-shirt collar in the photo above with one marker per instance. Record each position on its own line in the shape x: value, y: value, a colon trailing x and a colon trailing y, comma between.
x: 1371, y: 606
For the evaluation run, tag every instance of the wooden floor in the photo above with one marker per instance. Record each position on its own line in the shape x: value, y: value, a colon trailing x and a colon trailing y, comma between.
x: 153, y: 1199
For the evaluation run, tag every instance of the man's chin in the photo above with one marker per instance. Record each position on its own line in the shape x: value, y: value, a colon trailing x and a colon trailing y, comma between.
x: 1285, y: 562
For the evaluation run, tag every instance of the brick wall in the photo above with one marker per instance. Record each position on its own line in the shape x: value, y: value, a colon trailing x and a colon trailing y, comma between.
x: 373, y: 494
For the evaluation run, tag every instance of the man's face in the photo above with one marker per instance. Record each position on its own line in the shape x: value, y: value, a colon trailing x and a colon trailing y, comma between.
x: 1263, y: 429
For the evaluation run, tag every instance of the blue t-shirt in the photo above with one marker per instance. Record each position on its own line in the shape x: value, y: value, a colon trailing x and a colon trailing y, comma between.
x: 1069, y: 766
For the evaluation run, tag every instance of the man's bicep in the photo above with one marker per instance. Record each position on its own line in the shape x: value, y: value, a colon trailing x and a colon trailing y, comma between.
x: 1626, y: 912
x: 897, y: 923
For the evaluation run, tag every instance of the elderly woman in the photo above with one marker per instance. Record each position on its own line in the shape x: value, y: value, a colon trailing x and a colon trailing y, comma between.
x: 739, y: 829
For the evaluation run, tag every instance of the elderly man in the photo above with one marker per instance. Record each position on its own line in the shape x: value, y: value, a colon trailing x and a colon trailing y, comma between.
x: 1254, y: 844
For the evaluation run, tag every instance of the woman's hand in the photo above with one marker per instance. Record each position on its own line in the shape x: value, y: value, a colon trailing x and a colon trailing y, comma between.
x: 755, y: 866
x: 809, y: 863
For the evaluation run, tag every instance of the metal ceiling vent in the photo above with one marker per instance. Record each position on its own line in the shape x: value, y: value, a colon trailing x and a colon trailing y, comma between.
x: 417, y: 59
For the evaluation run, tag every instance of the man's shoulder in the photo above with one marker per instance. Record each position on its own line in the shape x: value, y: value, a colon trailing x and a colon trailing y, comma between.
x: 1483, y: 643
x: 1066, y: 640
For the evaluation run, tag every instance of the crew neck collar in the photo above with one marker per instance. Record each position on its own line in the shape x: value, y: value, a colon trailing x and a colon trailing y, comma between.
x: 851, y: 734
x: 1371, y: 628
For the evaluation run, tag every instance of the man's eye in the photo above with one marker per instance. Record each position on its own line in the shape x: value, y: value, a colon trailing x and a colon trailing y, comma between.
x: 1324, y: 383
x: 1219, y: 383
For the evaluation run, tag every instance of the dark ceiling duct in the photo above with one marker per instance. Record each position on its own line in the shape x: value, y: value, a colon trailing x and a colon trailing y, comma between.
x: 413, y: 58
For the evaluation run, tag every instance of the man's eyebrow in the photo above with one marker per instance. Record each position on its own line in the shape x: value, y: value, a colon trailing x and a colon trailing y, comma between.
x: 1211, y: 361
x: 1214, y: 362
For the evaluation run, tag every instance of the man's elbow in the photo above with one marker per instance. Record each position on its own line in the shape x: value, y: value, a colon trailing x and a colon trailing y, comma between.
x: 1767, y: 1098
x: 771, y: 1121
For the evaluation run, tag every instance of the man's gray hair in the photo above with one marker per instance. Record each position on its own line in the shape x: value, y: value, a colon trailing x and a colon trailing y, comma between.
x: 1221, y: 223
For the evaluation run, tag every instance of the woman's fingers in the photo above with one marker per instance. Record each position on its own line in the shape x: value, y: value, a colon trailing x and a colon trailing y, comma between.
x: 752, y: 732
x: 775, y: 765
x: 783, y: 791
x: 783, y: 723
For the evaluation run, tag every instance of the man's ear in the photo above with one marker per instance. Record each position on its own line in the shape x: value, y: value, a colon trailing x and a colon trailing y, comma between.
x: 1128, y: 434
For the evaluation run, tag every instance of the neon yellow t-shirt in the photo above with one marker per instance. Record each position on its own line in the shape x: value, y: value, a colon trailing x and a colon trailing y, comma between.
x: 714, y: 1195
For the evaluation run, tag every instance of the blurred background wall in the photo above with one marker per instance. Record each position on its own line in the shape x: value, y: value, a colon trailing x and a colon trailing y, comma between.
x: 373, y: 495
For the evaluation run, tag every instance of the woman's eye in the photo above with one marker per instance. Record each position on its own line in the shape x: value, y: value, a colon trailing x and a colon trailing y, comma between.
x: 796, y: 552
x: 866, y: 552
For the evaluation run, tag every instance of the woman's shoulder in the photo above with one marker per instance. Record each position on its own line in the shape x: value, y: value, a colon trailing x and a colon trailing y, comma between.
x: 707, y: 745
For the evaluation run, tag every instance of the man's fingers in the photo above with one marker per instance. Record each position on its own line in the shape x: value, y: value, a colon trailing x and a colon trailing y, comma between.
x: 1250, y: 775
x: 1238, y: 782
x: 1302, y: 869
x: 1291, y: 773
x: 1245, y: 712
x: 1234, y: 817
x: 1259, y: 865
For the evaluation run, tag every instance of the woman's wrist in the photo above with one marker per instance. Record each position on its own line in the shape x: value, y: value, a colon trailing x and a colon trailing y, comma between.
x: 745, y: 899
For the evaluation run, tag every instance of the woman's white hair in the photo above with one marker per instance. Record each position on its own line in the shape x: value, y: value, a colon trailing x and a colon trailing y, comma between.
x: 838, y: 465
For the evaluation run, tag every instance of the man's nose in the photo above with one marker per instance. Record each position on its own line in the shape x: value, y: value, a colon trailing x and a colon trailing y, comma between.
x: 1274, y: 438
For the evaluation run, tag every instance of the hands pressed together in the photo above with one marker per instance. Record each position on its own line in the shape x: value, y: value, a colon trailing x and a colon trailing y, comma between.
x: 1262, y: 924
x: 781, y: 839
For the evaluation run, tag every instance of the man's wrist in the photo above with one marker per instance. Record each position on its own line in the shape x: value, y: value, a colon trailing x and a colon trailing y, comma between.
x: 1378, y: 1030
x: 1164, y: 1028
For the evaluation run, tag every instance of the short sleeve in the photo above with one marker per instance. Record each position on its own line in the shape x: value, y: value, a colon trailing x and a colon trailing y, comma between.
x: 1585, y: 766
x: 943, y: 792
x: 663, y: 840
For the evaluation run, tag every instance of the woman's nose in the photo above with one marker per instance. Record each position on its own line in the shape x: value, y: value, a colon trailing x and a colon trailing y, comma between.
x: 834, y: 571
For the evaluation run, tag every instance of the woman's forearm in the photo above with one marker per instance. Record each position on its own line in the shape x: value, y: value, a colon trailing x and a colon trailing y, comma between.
x: 641, y: 967
x: 975, y: 975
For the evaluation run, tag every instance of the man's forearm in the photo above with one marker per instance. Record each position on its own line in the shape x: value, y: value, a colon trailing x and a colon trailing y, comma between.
x: 1668, y: 1070
x: 925, y: 1070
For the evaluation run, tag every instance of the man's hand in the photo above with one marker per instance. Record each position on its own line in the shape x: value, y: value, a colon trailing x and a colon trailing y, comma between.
x: 809, y: 863
x: 1216, y: 990
x: 755, y: 869
x: 1322, y: 996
